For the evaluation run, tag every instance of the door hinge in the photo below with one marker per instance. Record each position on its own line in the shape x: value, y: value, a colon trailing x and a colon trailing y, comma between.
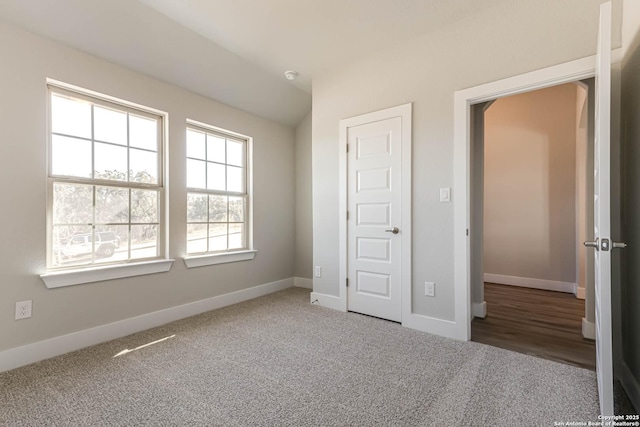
x: 347, y: 282
x: 347, y: 148
x: 467, y: 231
x: 347, y: 215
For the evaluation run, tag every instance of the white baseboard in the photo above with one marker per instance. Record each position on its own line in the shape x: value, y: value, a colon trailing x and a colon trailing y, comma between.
x: 303, y: 282
x: 588, y: 329
x: 328, y: 301
x: 579, y: 292
x: 527, y: 282
x: 431, y: 325
x: 35, y: 352
x: 479, y: 309
x: 631, y: 385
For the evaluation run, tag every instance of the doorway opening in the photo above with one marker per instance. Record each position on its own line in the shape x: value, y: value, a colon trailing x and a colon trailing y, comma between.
x: 532, y: 286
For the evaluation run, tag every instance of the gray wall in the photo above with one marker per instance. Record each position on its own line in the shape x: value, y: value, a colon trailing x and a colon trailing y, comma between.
x: 477, y: 201
x: 27, y: 62
x: 590, y: 292
x: 304, y: 226
x: 495, y: 44
x: 584, y: 188
x: 530, y: 185
x: 630, y: 290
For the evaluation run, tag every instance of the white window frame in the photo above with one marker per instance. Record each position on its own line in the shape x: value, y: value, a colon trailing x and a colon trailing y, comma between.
x: 230, y: 255
x: 79, y: 274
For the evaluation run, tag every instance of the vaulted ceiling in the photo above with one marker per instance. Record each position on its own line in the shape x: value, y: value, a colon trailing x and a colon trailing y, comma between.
x: 236, y: 51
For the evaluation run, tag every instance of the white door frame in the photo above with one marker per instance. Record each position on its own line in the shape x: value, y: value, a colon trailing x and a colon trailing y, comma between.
x: 404, y: 112
x: 463, y: 99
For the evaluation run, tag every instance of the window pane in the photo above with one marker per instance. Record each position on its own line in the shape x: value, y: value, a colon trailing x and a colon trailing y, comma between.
x: 235, y: 179
x: 110, y: 162
x: 195, y: 145
x: 215, y: 176
x: 109, y: 125
x: 236, y: 209
x: 236, y: 236
x: 143, y: 133
x: 196, y: 207
x: 215, y: 149
x: 235, y: 152
x: 144, y: 206
x: 111, y: 243
x: 217, y: 237
x: 94, y: 222
x: 196, y: 174
x: 72, y: 204
x: 143, y: 166
x: 70, y: 156
x: 217, y: 208
x: 112, y: 205
x: 72, y: 245
x: 144, y: 241
x: 196, y: 238
x: 70, y: 116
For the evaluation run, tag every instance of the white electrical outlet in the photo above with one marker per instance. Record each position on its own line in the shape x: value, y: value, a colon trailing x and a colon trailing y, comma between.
x: 23, y: 309
x: 430, y: 289
x: 318, y: 272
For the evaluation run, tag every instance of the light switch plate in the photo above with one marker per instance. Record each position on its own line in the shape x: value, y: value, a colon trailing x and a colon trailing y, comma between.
x: 445, y: 194
x: 318, y: 272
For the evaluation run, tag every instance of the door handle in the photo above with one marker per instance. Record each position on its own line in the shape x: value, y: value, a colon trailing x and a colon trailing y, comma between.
x: 614, y: 245
x: 394, y: 230
x: 593, y: 244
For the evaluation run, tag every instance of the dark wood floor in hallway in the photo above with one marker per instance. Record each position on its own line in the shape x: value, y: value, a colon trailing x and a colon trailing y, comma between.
x: 541, y: 323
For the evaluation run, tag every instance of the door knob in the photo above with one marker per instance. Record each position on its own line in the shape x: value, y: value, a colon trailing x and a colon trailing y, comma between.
x: 394, y: 230
x: 618, y: 245
x: 593, y: 244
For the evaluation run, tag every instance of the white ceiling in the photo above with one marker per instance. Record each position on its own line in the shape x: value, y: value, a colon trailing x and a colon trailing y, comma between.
x: 236, y: 51
x: 313, y: 36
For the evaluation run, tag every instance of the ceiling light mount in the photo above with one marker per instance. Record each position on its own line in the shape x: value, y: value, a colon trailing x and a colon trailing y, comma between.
x: 291, y: 75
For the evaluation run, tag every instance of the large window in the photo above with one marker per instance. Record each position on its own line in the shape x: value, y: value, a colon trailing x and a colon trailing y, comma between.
x: 217, y: 196
x: 105, y: 191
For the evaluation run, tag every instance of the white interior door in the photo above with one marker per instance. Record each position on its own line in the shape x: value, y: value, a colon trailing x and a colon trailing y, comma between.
x: 374, y: 229
x: 602, y: 214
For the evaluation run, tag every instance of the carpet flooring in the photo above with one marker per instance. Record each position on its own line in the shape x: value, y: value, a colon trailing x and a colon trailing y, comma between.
x: 279, y: 361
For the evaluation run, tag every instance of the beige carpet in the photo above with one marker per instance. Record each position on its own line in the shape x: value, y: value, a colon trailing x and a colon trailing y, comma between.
x: 280, y: 361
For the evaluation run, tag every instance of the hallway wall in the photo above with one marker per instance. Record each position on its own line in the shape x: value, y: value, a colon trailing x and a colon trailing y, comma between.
x: 530, y: 186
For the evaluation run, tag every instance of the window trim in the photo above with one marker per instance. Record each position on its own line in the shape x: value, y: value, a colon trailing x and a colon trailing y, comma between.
x: 219, y: 258
x: 232, y: 255
x: 67, y: 277
x: 78, y: 274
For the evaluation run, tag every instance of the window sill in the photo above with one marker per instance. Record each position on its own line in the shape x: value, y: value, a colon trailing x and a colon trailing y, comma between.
x: 213, y: 259
x: 59, y: 279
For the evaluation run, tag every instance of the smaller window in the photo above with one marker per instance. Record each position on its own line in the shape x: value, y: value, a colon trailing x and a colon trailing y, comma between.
x: 217, y: 191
